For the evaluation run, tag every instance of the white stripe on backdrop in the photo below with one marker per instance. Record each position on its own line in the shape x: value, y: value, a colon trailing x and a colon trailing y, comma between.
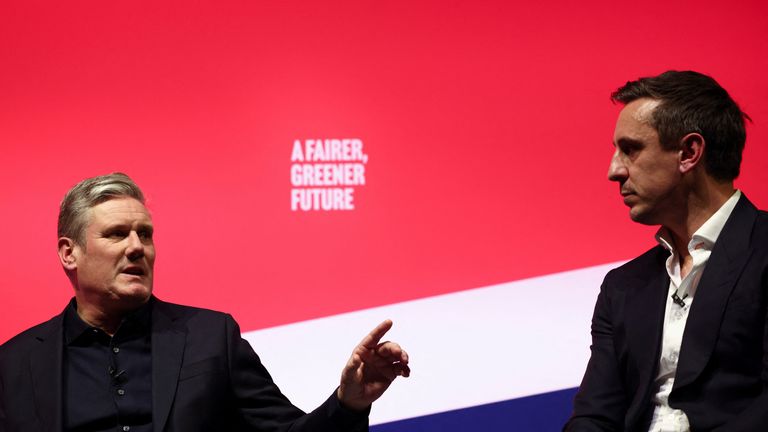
x: 468, y: 348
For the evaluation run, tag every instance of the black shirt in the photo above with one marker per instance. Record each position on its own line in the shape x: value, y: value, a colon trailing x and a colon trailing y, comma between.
x: 108, y: 380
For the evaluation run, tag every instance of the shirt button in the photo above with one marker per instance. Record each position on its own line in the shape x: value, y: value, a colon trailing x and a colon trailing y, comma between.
x: 121, y: 392
x: 673, y: 357
x: 115, y: 350
x: 126, y: 428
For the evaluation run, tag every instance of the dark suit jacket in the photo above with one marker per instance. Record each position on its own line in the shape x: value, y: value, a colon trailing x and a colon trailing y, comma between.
x: 205, y: 377
x: 722, y: 374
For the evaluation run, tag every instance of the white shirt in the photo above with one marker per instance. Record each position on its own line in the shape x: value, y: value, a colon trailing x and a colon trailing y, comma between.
x: 666, y: 418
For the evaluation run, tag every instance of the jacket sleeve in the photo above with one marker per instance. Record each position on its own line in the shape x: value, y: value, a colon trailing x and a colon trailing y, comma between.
x: 601, y: 402
x: 263, y: 407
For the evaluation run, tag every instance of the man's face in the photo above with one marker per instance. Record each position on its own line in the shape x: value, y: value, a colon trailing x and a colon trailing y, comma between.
x: 648, y: 175
x: 114, y: 266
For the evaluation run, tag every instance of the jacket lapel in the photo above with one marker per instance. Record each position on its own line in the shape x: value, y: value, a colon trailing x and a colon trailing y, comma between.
x: 644, y: 317
x: 168, y: 340
x: 45, y: 363
x: 730, y: 254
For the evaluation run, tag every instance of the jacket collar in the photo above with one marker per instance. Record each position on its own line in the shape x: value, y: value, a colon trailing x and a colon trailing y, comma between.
x: 645, y: 299
x: 168, y: 341
x: 46, y: 366
x: 729, y: 256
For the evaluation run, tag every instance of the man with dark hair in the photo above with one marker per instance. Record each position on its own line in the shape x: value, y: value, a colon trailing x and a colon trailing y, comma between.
x: 693, y: 102
x: 118, y: 358
x: 679, y: 336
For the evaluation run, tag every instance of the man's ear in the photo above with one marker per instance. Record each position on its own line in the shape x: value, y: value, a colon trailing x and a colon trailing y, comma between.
x: 691, y: 151
x: 67, y: 254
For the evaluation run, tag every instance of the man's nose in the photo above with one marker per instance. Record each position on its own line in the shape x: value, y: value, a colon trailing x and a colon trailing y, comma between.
x: 135, y: 249
x: 617, y: 171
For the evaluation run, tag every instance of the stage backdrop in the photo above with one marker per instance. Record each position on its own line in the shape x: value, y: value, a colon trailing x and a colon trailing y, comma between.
x: 316, y: 167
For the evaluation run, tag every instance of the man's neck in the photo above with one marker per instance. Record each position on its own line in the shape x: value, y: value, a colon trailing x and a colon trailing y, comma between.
x: 103, y: 318
x: 702, y: 203
x: 109, y: 324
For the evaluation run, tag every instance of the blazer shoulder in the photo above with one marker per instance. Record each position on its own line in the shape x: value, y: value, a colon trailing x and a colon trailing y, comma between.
x: 190, y: 314
x: 758, y: 238
x: 747, y: 227
x: 761, y: 222
x: 640, y: 267
x: 31, y: 337
x: 181, y: 310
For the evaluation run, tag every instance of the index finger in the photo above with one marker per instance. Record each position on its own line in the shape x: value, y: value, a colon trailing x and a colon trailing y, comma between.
x: 371, y: 340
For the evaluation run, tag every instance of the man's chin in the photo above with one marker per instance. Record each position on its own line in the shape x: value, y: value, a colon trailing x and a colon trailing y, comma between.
x: 134, y: 294
x: 637, y: 214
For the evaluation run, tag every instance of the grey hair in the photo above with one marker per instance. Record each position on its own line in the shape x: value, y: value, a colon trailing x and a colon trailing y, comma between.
x: 73, y: 213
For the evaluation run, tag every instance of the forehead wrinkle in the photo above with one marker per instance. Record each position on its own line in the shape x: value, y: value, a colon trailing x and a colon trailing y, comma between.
x: 120, y: 216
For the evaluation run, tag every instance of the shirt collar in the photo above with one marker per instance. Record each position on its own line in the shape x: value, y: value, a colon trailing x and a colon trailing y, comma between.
x: 707, y: 234
x: 74, y: 326
x: 137, y: 322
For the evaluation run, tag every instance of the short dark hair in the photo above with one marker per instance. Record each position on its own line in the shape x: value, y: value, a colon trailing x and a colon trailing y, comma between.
x: 73, y: 213
x: 693, y: 102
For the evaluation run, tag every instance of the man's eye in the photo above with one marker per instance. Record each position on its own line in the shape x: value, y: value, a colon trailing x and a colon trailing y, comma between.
x: 629, y: 150
x: 145, y: 234
x: 117, y: 234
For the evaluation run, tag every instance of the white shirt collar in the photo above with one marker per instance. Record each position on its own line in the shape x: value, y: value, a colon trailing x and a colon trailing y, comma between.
x: 707, y: 234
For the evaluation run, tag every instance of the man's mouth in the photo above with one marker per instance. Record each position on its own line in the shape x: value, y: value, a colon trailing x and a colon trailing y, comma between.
x: 134, y: 271
x: 628, y: 198
x: 626, y: 193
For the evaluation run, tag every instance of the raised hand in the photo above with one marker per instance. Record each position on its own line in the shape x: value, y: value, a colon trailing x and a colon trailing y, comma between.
x: 371, y: 368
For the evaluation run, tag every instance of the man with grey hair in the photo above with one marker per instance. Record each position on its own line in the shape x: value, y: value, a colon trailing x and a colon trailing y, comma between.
x: 118, y: 358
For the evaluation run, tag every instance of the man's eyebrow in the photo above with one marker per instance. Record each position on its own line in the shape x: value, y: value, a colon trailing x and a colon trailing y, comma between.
x: 625, y: 141
x: 117, y: 225
x: 128, y: 226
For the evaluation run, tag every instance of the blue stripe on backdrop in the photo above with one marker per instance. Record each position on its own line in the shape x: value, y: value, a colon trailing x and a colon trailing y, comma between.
x: 545, y: 412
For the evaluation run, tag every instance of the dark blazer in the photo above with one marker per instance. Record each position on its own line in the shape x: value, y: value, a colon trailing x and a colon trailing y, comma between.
x: 205, y: 377
x: 722, y: 374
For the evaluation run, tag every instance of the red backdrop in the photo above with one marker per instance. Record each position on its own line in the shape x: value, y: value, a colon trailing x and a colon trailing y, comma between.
x: 487, y: 126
